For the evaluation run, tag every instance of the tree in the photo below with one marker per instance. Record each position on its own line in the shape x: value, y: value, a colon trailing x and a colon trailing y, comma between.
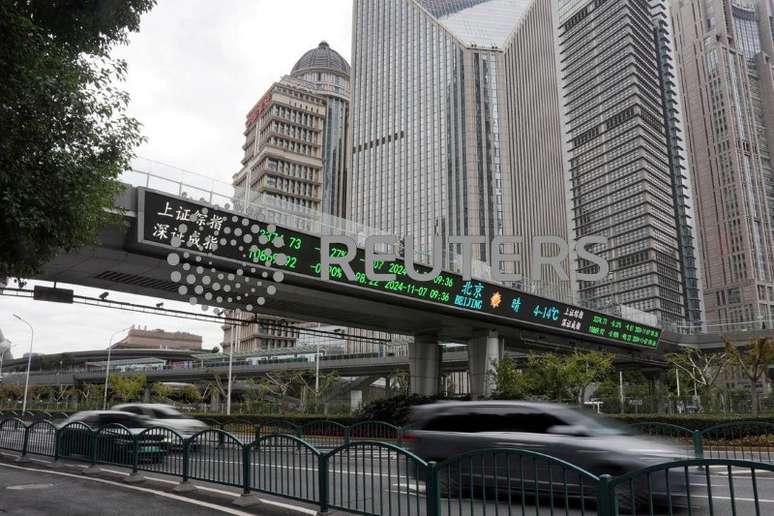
x: 571, y: 375
x: 584, y: 369
x: 64, y: 133
x: 547, y: 371
x: 510, y: 382
x: 311, y: 398
x: 400, y: 382
x: 127, y: 388
x: 703, y: 369
x: 62, y: 392
x: 635, y: 386
x: 215, y: 350
x: 191, y: 394
x: 754, y: 361
x: 160, y: 391
x: 278, y: 386
x: 216, y: 387
x: 11, y: 392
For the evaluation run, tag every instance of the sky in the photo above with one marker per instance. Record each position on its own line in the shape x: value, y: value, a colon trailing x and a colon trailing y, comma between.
x: 194, y: 71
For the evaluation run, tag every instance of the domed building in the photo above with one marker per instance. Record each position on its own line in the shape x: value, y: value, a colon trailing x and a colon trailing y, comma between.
x: 296, y: 155
x: 325, y: 68
x: 329, y: 73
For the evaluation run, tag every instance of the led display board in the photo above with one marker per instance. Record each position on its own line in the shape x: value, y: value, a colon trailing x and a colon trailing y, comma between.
x: 231, y: 236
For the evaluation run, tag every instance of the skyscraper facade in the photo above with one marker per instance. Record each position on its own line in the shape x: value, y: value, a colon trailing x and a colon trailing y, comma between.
x: 725, y: 50
x: 627, y: 168
x: 296, y: 150
x: 456, y: 124
x: 296, y: 135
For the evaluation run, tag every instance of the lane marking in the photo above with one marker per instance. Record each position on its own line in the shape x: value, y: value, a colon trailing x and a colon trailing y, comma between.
x: 162, y: 494
x: 736, y: 498
x: 25, y: 487
x: 219, y: 491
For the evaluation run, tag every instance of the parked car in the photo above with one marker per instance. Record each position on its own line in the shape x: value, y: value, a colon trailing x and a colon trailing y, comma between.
x: 594, y: 443
x: 158, y: 414
x: 115, y: 440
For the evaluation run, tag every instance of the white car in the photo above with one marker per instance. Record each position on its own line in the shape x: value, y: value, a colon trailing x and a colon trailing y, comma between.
x: 157, y: 414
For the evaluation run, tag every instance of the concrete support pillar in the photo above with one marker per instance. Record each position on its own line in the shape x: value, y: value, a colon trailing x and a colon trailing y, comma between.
x: 483, y: 353
x: 425, y: 365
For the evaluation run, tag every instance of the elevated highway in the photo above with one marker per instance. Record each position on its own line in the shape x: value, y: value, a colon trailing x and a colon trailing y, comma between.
x: 348, y: 367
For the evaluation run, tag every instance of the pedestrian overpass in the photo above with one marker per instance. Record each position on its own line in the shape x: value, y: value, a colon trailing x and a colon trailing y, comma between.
x: 221, y: 248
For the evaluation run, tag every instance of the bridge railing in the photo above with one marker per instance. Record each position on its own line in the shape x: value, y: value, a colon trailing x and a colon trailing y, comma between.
x: 378, y: 478
x: 166, y: 178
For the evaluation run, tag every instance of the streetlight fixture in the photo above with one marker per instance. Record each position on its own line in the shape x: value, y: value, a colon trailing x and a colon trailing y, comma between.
x: 107, y: 366
x: 29, y: 363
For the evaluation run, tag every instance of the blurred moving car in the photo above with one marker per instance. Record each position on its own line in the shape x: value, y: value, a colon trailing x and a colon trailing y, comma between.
x: 593, y: 443
x: 168, y: 416
x: 114, y: 440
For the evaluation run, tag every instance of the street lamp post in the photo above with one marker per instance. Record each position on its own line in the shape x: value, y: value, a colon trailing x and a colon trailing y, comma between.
x: 107, y: 366
x: 29, y: 363
x: 317, y: 370
x: 234, y: 339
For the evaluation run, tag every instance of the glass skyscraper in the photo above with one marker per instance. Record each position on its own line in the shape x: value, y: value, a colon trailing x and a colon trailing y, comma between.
x: 725, y: 50
x: 456, y: 125
x: 627, y: 168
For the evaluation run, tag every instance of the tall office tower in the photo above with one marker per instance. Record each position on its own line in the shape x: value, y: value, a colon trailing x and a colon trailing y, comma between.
x: 455, y: 124
x: 627, y: 168
x: 725, y: 50
x: 296, y: 150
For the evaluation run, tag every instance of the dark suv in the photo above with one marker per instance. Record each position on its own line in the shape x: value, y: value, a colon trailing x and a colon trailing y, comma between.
x: 593, y: 443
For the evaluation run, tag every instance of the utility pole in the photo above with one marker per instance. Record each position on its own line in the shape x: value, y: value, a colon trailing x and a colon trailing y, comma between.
x: 29, y: 363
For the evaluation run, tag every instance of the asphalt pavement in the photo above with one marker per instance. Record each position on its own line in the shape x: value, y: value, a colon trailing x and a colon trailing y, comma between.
x: 29, y: 490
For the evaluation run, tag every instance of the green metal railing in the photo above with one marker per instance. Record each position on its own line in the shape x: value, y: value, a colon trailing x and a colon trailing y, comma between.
x: 380, y: 478
x: 41, y: 438
x: 13, y: 432
x: 739, y: 440
x: 284, y: 465
x: 214, y: 456
x: 501, y: 479
x: 369, y: 477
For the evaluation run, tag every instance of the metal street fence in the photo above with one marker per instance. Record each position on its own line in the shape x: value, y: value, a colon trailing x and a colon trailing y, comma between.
x: 380, y: 478
x: 739, y: 440
x: 323, y: 434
